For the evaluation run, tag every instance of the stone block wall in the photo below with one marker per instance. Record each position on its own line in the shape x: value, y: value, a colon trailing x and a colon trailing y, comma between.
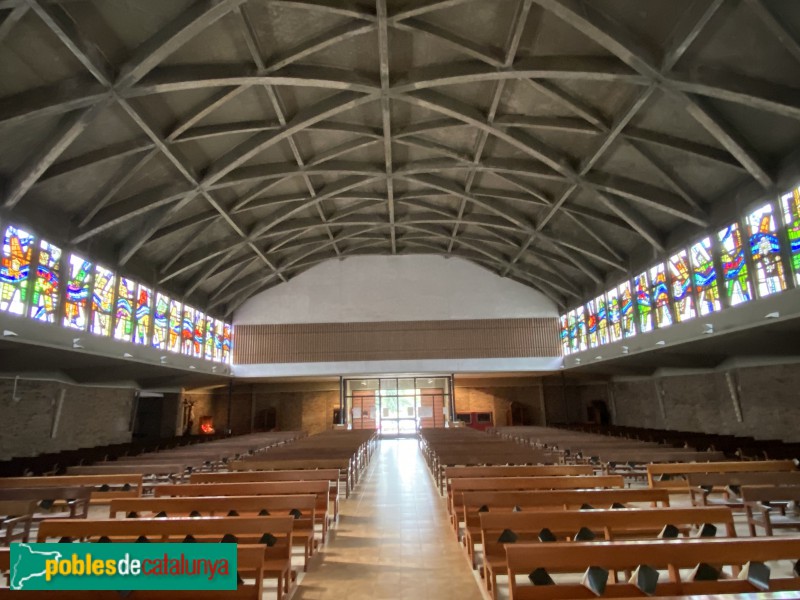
x: 89, y: 416
x: 768, y: 396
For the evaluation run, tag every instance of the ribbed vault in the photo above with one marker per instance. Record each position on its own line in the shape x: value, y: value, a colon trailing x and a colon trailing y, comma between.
x: 218, y: 148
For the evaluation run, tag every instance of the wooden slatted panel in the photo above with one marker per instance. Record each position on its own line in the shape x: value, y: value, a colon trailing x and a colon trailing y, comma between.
x: 396, y: 340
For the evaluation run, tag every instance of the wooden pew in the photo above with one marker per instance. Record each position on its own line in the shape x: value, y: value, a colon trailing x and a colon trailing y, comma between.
x: 249, y: 561
x: 625, y: 523
x: 343, y: 465
x: 320, y: 489
x: 303, y: 534
x: 171, y: 471
x: 673, y: 475
x: 65, y: 502
x: 277, y: 559
x: 474, y: 503
x: 673, y: 555
x: 702, y: 485
x: 514, y: 471
x: 470, y: 484
x: 16, y: 518
x: 331, y: 475
x: 769, y: 507
x: 104, y: 487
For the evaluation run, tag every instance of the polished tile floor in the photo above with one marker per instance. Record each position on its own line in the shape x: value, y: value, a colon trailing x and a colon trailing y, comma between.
x: 393, y: 539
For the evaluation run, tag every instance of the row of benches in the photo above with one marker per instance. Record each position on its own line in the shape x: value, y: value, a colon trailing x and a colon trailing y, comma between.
x: 503, y: 513
x: 266, y: 513
x: 741, y: 447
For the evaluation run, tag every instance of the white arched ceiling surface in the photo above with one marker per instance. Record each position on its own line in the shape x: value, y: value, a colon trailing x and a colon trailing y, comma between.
x: 394, y: 288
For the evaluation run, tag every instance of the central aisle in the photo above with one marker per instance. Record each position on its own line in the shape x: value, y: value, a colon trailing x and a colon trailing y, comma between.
x: 393, y: 539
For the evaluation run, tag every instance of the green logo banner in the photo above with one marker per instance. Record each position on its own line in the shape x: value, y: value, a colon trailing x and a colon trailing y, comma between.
x: 123, y: 566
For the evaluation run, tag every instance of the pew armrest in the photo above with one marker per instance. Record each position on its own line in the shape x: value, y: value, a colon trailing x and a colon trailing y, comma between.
x: 697, y: 491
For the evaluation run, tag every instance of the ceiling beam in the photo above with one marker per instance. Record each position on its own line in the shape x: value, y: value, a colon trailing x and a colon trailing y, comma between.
x: 188, y: 24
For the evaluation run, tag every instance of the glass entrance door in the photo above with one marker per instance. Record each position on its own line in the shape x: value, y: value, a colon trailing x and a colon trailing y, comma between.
x: 397, y: 405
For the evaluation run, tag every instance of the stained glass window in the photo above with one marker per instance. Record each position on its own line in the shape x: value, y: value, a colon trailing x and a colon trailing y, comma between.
x: 791, y: 220
x: 161, y: 329
x: 580, y: 316
x: 564, y: 335
x: 643, y: 303
x: 44, y: 301
x: 227, y: 342
x: 187, y: 331
x: 218, y: 339
x: 144, y: 298
x: 15, y: 267
x: 659, y: 293
x: 680, y: 277
x: 614, y: 315
x: 705, y: 277
x: 591, y: 324
x: 734, y: 265
x: 627, y: 310
x: 572, y: 326
x: 175, y: 323
x: 765, y: 248
x: 126, y: 298
x: 199, y: 334
x: 79, y: 287
x: 602, y: 319
x: 210, y: 338
x: 102, y: 300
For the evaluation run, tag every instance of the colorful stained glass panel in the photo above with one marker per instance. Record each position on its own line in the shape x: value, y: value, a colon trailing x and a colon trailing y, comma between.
x: 79, y: 287
x: 602, y: 319
x: 591, y: 324
x: 705, y: 276
x: 227, y: 343
x: 627, y: 309
x: 659, y: 293
x: 734, y: 265
x: 44, y: 302
x: 680, y: 278
x: 102, y: 300
x: 614, y: 315
x: 187, y: 331
x: 580, y: 316
x: 161, y: 329
x: 790, y: 203
x: 219, y: 333
x: 144, y: 301
x: 209, y: 340
x: 572, y: 325
x: 765, y: 248
x: 126, y: 300
x: 15, y: 269
x: 199, y: 334
x: 643, y: 303
x: 175, y: 324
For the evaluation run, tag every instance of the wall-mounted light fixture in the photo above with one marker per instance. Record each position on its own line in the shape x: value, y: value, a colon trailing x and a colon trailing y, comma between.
x: 625, y: 350
x: 76, y: 343
x: 772, y: 315
x: 9, y: 333
x: 708, y: 328
x: 661, y: 343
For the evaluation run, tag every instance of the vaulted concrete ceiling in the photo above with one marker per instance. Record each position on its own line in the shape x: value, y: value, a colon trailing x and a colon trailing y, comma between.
x: 217, y: 148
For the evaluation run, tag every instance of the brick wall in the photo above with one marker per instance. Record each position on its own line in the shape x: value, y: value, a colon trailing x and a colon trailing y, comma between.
x: 90, y: 416
x: 496, y: 399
